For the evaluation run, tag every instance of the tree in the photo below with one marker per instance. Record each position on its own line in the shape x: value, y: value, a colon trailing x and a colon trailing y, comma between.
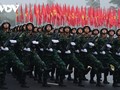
x: 93, y: 3
x: 116, y: 2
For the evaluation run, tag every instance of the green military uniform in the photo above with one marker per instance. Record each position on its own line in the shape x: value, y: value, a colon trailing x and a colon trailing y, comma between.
x: 86, y: 56
x: 8, y: 55
x: 105, y: 56
x: 68, y: 54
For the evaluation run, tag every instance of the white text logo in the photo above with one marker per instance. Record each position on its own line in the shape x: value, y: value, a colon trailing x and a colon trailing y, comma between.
x: 9, y: 8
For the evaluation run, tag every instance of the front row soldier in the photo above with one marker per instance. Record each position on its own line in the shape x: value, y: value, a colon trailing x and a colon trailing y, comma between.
x: 8, y: 56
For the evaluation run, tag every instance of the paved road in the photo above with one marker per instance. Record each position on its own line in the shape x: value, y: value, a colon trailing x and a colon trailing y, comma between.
x: 13, y: 85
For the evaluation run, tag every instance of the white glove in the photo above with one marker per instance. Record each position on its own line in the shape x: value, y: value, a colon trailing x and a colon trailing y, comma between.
x: 95, y: 53
x: 91, y: 44
x: 108, y: 46
x: 50, y: 49
x: 35, y: 42
x: 41, y: 49
x: 117, y: 53
x: 103, y: 52
x: 84, y: 50
x: 58, y: 51
x: 68, y: 52
x: 77, y: 51
x: 13, y: 41
x: 27, y: 49
x: 89, y: 67
x: 55, y: 41
x: 5, y: 48
x: 73, y: 43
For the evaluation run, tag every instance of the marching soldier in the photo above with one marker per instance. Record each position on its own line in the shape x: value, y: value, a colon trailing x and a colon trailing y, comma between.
x: 86, y: 44
x: 8, y: 55
x: 105, y: 56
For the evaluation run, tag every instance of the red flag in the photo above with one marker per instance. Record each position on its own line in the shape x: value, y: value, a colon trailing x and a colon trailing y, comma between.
x: 43, y: 13
x: 26, y: 14
x: 17, y: 16
x: 118, y: 18
x: 35, y: 9
x: 39, y: 17
x: 31, y: 14
x: 21, y: 14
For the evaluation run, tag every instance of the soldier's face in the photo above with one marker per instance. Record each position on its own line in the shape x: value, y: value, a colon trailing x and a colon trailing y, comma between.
x: 30, y: 27
x: 67, y: 30
x: 61, y: 30
x: 74, y: 31
x: 118, y: 32
x: 6, y: 25
x: 96, y: 32
x: 111, y: 33
x: 87, y: 30
x: 49, y: 28
x: 40, y: 30
x: 35, y: 29
x: 80, y: 31
x: 104, y: 31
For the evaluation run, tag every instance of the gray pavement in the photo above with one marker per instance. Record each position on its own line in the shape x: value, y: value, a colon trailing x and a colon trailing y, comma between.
x: 12, y: 84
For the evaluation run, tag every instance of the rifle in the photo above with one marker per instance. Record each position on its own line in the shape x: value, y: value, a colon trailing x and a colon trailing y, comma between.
x: 71, y: 42
x: 33, y: 40
x: 11, y: 38
x: 104, y: 47
x: 89, y: 40
x: 54, y: 38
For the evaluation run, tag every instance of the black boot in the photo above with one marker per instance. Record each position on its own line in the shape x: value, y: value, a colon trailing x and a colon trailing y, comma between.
x: 52, y: 74
x: 57, y: 75
x: 92, y: 75
x: 61, y: 81
x: 45, y: 76
x: 84, y: 78
x: 69, y: 78
x: 80, y: 82
x: 115, y: 77
x: 105, y: 79
x: 105, y: 76
x: 98, y: 84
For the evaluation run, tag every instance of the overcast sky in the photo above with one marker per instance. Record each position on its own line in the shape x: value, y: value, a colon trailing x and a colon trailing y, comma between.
x: 104, y: 3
